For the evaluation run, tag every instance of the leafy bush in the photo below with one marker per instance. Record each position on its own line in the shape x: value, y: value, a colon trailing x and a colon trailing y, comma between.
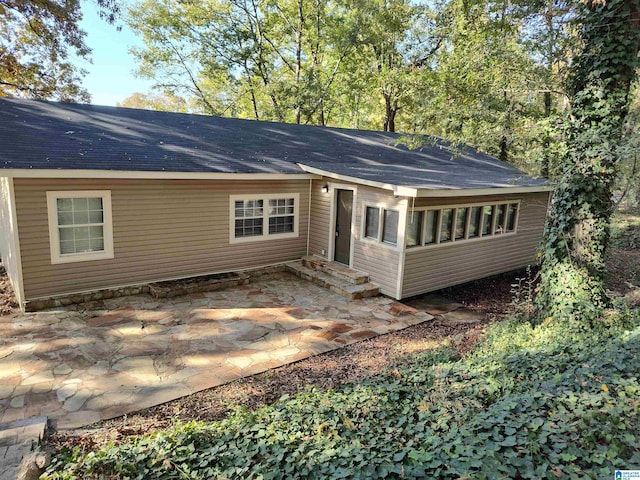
x: 547, y: 402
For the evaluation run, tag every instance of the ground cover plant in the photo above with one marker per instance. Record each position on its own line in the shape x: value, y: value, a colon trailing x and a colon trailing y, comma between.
x: 549, y: 402
x: 557, y: 401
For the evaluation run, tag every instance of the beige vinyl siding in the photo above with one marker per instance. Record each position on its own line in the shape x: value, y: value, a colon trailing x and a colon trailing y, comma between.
x: 431, y: 268
x: 9, y: 237
x: 162, y: 229
x: 380, y: 261
x: 320, y: 219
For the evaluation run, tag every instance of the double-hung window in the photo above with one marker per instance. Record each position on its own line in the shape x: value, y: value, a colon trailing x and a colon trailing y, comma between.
x: 80, y: 226
x: 281, y: 215
x: 263, y: 217
x: 249, y: 216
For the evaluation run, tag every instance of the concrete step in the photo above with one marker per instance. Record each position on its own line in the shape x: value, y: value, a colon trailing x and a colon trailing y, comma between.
x: 344, y: 288
x: 335, y: 270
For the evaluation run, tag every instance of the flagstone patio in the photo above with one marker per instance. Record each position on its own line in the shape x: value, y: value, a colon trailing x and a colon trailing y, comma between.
x: 86, y: 363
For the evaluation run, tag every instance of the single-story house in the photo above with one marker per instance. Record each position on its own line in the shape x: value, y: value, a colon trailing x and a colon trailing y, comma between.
x: 100, y: 197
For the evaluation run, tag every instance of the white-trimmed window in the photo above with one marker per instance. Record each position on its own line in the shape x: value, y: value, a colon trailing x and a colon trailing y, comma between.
x: 390, y: 227
x: 414, y: 228
x: 80, y: 226
x: 372, y: 223
x: 447, y: 224
x: 263, y: 217
x: 381, y: 224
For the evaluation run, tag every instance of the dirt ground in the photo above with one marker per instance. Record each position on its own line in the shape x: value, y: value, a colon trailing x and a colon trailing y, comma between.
x: 492, y: 297
x: 623, y: 259
x: 8, y: 302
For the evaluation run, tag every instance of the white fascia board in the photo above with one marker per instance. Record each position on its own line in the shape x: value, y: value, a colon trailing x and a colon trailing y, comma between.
x: 409, y: 191
x: 128, y: 174
x: 347, y: 178
x: 472, y: 192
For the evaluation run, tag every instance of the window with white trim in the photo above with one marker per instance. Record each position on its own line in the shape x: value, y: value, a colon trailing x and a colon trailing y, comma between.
x: 248, y: 218
x: 414, y: 228
x: 431, y: 231
x: 263, y: 217
x: 372, y: 223
x: 448, y: 224
x: 80, y: 226
x: 281, y: 215
x: 390, y: 227
x: 381, y: 224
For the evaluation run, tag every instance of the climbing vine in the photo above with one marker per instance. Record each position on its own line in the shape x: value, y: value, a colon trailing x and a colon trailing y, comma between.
x: 572, y: 281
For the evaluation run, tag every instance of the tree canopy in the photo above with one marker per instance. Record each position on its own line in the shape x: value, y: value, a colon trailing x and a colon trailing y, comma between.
x: 484, y: 72
x: 38, y: 39
x: 154, y: 101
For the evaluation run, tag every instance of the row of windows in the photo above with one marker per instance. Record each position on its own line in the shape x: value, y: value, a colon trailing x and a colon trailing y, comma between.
x: 427, y: 227
x: 81, y: 223
x: 81, y: 227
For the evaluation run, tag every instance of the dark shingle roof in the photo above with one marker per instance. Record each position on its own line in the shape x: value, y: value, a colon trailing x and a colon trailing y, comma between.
x: 49, y: 135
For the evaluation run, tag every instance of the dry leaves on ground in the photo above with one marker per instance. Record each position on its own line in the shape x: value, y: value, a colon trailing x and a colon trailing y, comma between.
x: 8, y: 302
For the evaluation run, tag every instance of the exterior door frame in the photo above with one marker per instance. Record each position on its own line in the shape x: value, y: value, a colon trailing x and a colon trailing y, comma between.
x: 333, y: 192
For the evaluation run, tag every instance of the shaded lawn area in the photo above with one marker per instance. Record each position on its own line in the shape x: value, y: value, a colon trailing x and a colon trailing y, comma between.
x: 526, y: 403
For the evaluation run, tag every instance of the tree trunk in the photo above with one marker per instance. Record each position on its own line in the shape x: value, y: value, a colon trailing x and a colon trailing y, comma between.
x: 321, y: 120
x: 390, y: 109
x: 298, y: 89
x: 577, y: 232
x: 545, y: 169
x: 504, y: 140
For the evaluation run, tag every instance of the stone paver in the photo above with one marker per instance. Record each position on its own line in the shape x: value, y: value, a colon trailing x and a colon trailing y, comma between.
x: 90, y: 362
x: 18, y: 439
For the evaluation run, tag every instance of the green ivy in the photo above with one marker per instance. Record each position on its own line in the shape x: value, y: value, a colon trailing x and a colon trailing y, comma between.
x: 548, y: 402
x: 572, y: 279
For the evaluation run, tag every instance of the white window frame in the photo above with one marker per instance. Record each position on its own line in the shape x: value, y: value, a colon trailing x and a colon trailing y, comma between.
x: 466, y: 238
x: 265, y: 217
x: 378, y: 238
x: 384, y: 221
x: 364, y: 223
x: 54, y: 233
